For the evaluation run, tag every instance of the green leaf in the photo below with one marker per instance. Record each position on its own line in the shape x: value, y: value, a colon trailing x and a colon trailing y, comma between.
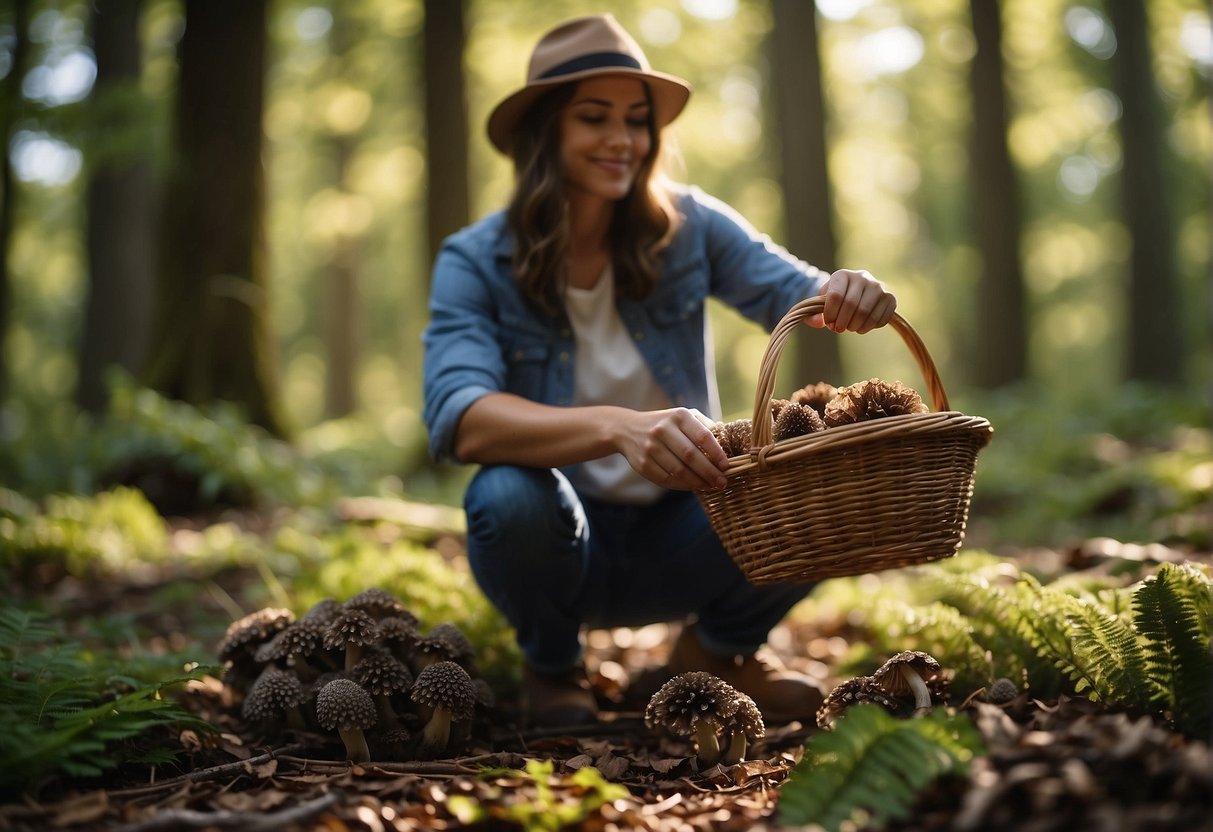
x: 872, y: 764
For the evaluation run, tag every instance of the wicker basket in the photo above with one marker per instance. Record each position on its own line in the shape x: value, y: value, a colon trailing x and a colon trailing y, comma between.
x: 852, y: 499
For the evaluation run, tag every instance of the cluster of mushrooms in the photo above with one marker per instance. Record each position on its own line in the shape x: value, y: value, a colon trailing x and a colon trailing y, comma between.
x: 817, y: 407
x: 358, y: 668
x: 720, y: 720
x: 906, y: 675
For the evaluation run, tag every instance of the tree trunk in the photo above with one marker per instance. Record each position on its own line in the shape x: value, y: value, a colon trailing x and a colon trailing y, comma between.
x: 118, y: 309
x: 800, y: 116
x: 10, y: 113
x: 1155, y: 327
x: 1000, y: 351
x: 342, y: 310
x: 446, y: 126
x: 212, y: 339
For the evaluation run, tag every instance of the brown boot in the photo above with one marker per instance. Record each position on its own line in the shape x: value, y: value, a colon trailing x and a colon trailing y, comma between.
x: 558, y: 700
x: 781, y: 694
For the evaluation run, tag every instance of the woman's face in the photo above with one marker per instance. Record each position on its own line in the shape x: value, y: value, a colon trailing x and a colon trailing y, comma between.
x: 604, y: 136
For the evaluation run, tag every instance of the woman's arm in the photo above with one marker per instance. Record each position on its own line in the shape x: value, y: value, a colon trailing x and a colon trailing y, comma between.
x: 672, y: 447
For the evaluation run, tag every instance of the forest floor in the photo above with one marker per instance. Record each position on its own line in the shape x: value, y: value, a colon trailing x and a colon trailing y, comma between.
x: 1064, y: 764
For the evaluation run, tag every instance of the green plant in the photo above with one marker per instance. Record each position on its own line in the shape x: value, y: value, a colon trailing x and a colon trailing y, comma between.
x: 65, y: 713
x: 110, y: 530
x: 871, y: 766
x: 540, y: 800
x: 1143, y: 648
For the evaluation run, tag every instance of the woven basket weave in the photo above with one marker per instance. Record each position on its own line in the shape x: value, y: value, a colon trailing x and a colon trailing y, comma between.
x: 852, y: 499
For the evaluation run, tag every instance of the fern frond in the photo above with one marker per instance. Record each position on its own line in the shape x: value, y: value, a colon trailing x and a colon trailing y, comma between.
x: 1171, y: 612
x: 1105, y: 650
x: 875, y: 765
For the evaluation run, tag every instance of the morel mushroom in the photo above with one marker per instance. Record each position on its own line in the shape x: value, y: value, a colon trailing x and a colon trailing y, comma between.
x: 445, y: 642
x: 796, y: 420
x: 745, y: 726
x: 351, y: 631
x: 399, y: 636
x: 447, y: 689
x: 872, y: 399
x: 345, y: 707
x: 324, y: 611
x: 816, y: 396
x: 378, y: 604
x: 907, y: 673
x: 383, y: 677
x: 694, y: 704
x: 243, y: 637
x: 275, y: 695
x: 852, y: 692
x: 1002, y: 691
x: 299, y: 647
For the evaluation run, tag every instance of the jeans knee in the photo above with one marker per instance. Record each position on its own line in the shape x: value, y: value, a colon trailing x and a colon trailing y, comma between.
x: 509, y: 506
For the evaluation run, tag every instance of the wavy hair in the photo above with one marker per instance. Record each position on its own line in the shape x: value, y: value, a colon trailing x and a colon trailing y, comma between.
x: 641, y: 227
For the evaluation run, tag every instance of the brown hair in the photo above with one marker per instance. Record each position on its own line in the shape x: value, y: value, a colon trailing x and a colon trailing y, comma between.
x: 642, y: 225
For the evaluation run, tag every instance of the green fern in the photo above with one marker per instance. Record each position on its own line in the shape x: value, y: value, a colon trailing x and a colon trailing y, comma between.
x: 1172, y: 612
x: 61, y: 714
x: 872, y: 766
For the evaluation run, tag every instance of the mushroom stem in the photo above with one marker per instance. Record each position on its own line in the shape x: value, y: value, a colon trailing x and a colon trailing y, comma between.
x: 737, y: 748
x: 922, y: 695
x: 355, y: 745
x: 353, y: 655
x: 707, y: 743
x: 437, y: 731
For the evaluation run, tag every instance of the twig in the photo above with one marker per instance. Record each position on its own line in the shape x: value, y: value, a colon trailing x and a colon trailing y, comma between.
x: 213, y: 773
x: 175, y: 819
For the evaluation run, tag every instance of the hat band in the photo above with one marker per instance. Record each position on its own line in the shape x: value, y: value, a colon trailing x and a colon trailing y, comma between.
x: 596, y: 60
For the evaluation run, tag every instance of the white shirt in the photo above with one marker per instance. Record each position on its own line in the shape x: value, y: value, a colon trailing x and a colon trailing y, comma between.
x: 608, y: 369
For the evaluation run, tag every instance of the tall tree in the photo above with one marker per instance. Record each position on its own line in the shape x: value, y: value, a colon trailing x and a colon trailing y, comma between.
x: 212, y: 339
x: 117, y: 313
x: 446, y: 122
x: 1155, y: 342
x: 342, y: 323
x: 1001, y: 348
x: 804, y: 172
x: 10, y: 114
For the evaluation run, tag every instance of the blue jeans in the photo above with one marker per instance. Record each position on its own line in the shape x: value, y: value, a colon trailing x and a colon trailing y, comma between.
x: 554, y: 562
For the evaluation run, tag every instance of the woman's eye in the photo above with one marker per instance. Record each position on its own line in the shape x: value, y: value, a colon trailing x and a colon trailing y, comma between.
x: 638, y: 122
x: 592, y: 119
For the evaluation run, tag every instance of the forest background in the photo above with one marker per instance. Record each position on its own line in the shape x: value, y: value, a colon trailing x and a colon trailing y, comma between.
x: 233, y: 199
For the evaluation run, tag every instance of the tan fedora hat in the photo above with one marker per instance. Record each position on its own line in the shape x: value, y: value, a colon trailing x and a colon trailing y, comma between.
x: 581, y: 48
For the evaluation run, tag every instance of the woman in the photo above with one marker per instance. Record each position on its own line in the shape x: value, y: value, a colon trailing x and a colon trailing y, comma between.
x: 567, y: 355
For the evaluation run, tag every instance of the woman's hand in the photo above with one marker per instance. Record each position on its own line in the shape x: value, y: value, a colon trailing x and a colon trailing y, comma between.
x: 674, y: 448
x: 855, y: 302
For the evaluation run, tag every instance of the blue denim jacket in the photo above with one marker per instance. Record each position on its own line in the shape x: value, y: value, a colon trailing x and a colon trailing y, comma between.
x: 484, y: 336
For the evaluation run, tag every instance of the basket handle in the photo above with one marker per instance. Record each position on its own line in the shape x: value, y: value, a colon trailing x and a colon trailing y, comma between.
x: 761, y: 426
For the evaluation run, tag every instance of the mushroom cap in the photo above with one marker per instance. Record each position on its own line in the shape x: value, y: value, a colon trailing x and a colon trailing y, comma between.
x: 445, y: 685
x: 888, y: 677
x: 872, y: 399
x: 1002, y: 691
x: 382, y: 674
x: 852, y: 692
x: 343, y: 705
x: 377, y: 603
x: 794, y: 420
x: 690, y: 698
x: 350, y: 627
x: 273, y: 693
x: 447, y: 642
x: 748, y: 719
x: 324, y: 610
x: 398, y: 634
x: 816, y: 395
x: 251, y: 631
